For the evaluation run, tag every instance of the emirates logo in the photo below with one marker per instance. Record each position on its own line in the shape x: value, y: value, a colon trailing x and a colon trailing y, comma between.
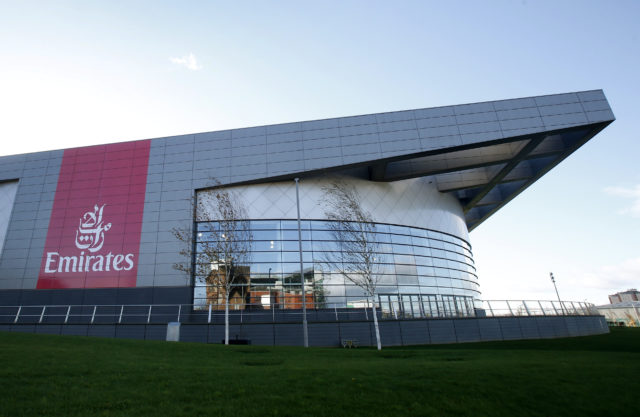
x: 90, y: 233
x: 90, y: 237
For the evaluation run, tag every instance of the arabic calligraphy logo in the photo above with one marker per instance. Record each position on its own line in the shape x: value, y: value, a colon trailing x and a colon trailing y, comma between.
x: 90, y: 233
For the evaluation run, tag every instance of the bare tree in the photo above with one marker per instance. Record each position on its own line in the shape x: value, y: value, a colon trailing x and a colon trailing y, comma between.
x: 352, y: 229
x: 223, y: 248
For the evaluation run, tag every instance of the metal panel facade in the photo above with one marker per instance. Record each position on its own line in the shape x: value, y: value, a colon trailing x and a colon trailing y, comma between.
x: 179, y: 165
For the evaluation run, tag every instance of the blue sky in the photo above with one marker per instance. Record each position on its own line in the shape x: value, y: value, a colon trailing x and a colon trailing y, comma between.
x: 80, y: 73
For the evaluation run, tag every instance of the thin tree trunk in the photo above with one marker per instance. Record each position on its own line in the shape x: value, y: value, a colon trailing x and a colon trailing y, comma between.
x: 375, y: 323
x: 226, y: 319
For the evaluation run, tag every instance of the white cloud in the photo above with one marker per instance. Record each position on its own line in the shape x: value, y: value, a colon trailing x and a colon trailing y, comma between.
x: 627, y: 192
x: 188, y: 61
x: 612, y: 278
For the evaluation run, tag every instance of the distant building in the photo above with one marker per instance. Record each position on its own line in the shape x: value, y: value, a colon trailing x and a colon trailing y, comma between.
x: 628, y: 295
x: 626, y: 313
x: 623, y: 308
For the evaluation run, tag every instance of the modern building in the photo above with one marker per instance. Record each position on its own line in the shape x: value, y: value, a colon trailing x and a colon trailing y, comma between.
x: 96, y: 225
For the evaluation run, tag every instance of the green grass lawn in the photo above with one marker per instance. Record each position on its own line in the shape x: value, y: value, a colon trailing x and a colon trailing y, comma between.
x: 80, y: 376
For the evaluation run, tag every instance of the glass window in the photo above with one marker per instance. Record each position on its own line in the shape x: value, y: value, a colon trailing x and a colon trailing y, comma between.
x: 382, y: 237
x: 382, y: 228
x: 437, y: 244
x: 427, y: 281
x: 267, y: 235
x: 404, y: 259
x: 399, y: 230
x: 265, y: 245
x: 422, y: 251
x: 293, y: 235
x: 409, y: 261
x: 402, y: 239
x: 420, y: 241
x: 322, y: 235
x: 407, y: 280
x: 293, y: 225
x: 402, y: 249
x: 265, y: 257
x: 264, y: 225
x: 293, y: 256
x: 294, y: 245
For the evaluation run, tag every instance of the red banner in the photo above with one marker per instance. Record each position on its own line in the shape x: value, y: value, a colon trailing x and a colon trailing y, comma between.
x: 93, y: 239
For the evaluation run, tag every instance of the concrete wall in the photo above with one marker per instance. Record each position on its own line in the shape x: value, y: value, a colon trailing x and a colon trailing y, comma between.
x: 393, y: 333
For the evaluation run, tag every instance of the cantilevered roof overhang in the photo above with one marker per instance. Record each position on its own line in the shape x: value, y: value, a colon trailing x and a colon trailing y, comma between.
x: 485, y: 175
x: 482, y: 153
x: 489, y: 174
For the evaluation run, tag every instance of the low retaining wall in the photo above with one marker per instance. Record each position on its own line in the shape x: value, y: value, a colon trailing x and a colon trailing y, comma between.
x: 393, y: 333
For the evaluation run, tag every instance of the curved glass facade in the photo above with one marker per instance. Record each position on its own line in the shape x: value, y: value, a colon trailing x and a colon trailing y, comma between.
x: 422, y: 273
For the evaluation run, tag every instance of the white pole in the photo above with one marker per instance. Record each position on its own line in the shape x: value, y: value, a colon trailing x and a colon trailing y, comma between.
x: 304, y: 295
x: 375, y: 324
x: 226, y: 318
x: 556, y: 287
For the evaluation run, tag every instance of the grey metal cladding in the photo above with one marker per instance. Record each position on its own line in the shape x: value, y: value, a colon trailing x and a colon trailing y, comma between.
x: 561, y: 109
x: 434, y: 112
x: 355, y: 140
x: 514, y: 114
x: 365, y: 148
x: 529, y: 122
x: 320, y: 124
x: 440, y: 142
x: 321, y: 153
x: 556, y: 99
x: 480, y: 127
x: 254, y: 149
x: 565, y: 120
x: 410, y: 142
x: 178, y: 157
x: 366, y: 119
x: 591, y: 95
x: 516, y: 103
x: 473, y: 108
x: 436, y: 122
x: 309, y: 135
x: 399, y: 135
x: 264, y: 151
x: 249, y: 132
x: 276, y: 168
x: 284, y: 137
x: 295, y: 155
x: 38, y: 178
x: 177, y: 140
x: 358, y: 129
x: 596, y: 105
x: 434, y: 132
x: 600, y: 116
x: 395, y: 126
x: 489, y: 116
x: 180, y: 164
x: 284, y: 128
x: 395, y: 116
x: 220, y: 135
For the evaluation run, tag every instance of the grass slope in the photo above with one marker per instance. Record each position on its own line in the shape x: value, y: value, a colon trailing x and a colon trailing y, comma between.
x: 80, y: 376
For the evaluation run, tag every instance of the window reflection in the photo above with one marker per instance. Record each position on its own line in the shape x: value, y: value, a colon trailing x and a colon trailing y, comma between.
x: 422, y: 273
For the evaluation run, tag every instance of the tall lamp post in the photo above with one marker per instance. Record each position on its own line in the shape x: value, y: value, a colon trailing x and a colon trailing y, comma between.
x: 556, y: 287
x: 304, y: 295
